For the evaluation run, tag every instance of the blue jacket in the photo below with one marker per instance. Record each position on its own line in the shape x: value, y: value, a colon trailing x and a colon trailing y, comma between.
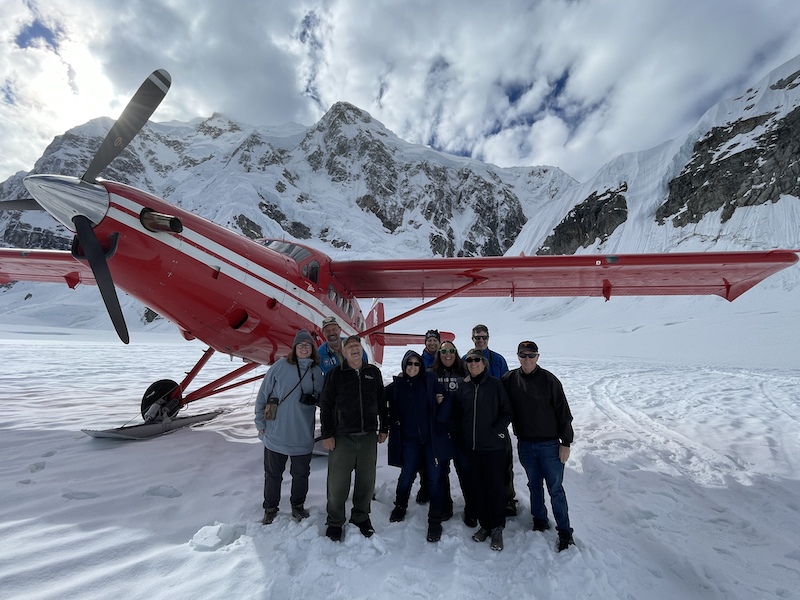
x: 292, y: 431
x: 329, y: 358
x: 497, y: 364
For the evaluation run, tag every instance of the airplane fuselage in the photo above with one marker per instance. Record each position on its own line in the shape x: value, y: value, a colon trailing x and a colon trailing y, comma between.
x: 240, y: 296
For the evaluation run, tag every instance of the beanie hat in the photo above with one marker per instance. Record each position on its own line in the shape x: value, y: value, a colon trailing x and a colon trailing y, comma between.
x: 433, y: 333
x: 302, y: 336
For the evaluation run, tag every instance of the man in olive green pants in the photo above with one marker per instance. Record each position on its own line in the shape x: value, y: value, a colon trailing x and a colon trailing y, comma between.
x: 354, y: 419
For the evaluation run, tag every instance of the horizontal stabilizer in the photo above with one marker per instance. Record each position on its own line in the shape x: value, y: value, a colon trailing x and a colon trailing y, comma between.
x: 408, y: 339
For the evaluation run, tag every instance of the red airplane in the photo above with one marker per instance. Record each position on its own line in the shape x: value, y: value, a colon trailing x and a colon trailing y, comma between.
x: 248, y: 298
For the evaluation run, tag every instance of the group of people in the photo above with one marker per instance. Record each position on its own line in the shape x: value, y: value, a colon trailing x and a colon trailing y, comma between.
x: 440, y: 408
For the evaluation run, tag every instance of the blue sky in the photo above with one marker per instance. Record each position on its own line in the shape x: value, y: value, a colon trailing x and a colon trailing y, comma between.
x: 570, y: 83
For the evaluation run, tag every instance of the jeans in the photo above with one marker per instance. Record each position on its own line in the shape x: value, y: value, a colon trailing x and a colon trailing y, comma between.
x: 541, y: 463
x: 274, y: 464
x: 414, y: 453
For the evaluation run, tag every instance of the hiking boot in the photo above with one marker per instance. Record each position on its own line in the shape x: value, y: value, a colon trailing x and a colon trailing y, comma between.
x: 481, y: 534
x: 299, y: 512
x: 541, y: 524
x: 434, y: 531
x: 422, y: 495
x: 565, y: 539
x: 334, y: 533
x: 398, y: 514
x: 365, y: 527
x: 511, y: 508
x: 470, y: 521
x: 497, y: 539
x: 269, y: 515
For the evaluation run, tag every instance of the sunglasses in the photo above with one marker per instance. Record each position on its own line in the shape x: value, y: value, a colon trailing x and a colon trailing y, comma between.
x: 447, y: 350
x: 480, y: 337
x: 527, y: 355
x: 473, y: 360
x: 413, y: 364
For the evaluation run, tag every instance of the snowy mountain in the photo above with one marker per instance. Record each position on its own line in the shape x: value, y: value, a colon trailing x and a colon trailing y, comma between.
x: 347, y: 184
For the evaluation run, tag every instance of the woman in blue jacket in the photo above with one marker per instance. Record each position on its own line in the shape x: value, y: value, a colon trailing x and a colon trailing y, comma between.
x: 290, y: 390
x: 418, y: 415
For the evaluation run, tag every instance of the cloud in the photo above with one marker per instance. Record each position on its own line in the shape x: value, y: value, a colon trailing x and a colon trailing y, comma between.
x: 522, y: 82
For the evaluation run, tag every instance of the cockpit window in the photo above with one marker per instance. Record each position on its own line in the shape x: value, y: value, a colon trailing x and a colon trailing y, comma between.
x: 293, y: 251
x: 313, y: 271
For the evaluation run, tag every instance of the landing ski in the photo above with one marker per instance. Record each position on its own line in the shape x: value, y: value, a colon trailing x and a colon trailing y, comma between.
x: 151, y: 430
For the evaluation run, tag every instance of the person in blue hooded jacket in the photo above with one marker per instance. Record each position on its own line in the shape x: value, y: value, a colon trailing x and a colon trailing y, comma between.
x: 418, y: 416
x: 292, y: 386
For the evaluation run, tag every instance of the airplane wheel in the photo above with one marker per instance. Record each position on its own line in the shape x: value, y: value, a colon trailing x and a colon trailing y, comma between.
x: 156, y: 391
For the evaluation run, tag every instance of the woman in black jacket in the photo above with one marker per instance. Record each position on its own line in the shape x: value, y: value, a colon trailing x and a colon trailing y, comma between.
x: 482, y: 410
x: 418, y: 415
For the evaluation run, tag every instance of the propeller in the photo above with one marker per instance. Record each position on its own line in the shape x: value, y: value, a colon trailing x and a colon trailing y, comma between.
x: 133, y: 118
x: 93, y: 252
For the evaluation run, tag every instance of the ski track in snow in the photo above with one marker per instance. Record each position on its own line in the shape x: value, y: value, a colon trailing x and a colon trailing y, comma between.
x: 683, y: 483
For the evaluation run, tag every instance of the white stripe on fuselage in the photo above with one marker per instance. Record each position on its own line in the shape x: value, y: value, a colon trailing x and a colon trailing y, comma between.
x: 235, y: 266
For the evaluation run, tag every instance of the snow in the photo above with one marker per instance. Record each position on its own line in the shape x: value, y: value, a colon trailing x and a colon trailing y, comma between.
x: 684, y: 480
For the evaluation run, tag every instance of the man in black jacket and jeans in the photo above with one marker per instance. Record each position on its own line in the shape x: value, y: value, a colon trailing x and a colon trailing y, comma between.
x: 543, y: 425
x: 353, y: 419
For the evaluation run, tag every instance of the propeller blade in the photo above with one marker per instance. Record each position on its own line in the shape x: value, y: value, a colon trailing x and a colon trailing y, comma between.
x: 22, y: 204
x: 133, y: 118
x: 102, y: 275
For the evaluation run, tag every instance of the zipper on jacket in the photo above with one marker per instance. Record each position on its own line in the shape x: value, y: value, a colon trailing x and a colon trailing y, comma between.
x: 475, y: 418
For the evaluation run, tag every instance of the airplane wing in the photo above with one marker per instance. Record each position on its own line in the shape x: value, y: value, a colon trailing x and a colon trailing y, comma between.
x: 726, y: 274
x: 51, y: 266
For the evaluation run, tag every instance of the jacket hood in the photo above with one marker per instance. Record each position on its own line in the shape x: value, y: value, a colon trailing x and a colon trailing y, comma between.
x: 404, y: 362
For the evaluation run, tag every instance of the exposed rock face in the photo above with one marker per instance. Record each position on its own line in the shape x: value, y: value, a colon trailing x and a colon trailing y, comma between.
x: 398, y: 191
x: 595, y: 218
x: 18, y: 234
x: 720, y: 176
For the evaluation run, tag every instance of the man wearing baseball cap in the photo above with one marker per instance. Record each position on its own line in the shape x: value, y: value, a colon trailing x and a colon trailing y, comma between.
x: 330, y: 353
x: 542, y: 423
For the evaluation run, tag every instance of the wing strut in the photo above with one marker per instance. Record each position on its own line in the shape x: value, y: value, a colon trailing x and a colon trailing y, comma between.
x: 380, y: 326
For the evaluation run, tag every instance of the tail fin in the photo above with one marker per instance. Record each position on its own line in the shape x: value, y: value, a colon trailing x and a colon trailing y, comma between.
x: 375, y: 340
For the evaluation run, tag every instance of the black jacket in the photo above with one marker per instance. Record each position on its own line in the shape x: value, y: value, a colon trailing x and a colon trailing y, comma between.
x: 541, y: 412
x: 482, y: 411
x: 429, y: 425
x: 353, y: 402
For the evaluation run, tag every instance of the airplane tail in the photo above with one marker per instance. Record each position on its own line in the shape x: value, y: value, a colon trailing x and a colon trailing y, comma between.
x: 380, y: 339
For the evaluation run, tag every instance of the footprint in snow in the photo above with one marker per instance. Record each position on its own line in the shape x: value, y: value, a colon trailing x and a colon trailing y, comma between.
x: 49, y: 454
x: 70, y: 495
x: 36, y: 467
x: 163, y: 491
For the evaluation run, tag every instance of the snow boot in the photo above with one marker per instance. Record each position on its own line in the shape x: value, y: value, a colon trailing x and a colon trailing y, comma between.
x: 541, y: 524
x: 269, y: 515
x: 481, y: 534
x: 434, y: 531
x: 299, y: 512
x: 365, y: 527
x: 398, y: 514
x: 334, y: 533
x: 565, y: 539
x: 497, y: 539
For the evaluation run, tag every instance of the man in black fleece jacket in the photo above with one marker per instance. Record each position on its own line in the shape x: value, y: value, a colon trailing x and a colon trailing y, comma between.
x: 543, y: 425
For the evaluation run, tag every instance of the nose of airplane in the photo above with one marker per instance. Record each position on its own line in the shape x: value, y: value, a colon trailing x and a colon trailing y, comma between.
x: 66, y: 197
